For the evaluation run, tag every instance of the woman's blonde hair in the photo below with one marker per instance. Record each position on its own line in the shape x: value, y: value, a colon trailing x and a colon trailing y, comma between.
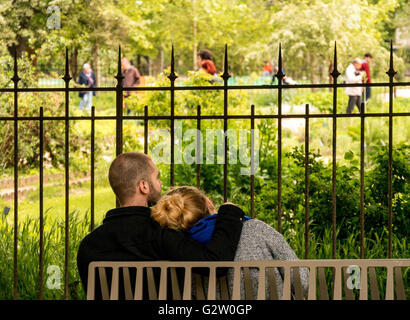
x: 181, y: 208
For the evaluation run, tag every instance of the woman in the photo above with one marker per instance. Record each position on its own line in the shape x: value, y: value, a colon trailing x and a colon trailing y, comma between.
x: 206, y: 61
x: 188, y: 209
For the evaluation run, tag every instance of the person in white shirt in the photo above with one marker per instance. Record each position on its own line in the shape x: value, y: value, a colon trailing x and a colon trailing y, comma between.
x: 354, y: 75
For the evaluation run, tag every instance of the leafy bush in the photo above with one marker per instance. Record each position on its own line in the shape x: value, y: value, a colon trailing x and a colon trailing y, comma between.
x: 28, y: 131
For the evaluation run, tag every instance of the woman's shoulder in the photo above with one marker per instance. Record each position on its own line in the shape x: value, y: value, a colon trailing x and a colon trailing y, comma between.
x: 260, y: 226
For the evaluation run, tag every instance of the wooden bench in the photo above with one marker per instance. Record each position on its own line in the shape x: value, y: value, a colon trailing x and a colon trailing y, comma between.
x: 394, y: 287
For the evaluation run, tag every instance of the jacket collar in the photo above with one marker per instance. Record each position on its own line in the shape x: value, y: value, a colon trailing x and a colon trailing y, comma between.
x: 127, y: 211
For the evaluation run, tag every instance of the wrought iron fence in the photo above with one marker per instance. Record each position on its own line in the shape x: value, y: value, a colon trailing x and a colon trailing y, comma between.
x: 119, y: 117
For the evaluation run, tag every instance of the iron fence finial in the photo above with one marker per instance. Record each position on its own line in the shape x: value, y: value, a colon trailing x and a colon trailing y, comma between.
x: 335, y: 73
x: 391, y: 72
x: 280, y: 74
x: 66, y: 77
x: 15, y: 78
x: 226, y: 75
x: 172, y: 76
x: 119, y: 75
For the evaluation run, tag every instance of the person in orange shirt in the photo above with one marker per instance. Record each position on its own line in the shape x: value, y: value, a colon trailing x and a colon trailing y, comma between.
x: 206, y: 61
x: 267, y: 68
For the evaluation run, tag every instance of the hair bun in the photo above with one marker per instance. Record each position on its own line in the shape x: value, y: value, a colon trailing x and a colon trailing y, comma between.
x: 173, y: 202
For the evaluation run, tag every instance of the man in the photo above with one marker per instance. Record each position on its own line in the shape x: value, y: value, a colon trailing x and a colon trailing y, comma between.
x: 86, y: 78
x: 365, y: 67
x: 354, y: 75
x: 128, y: 233
x: 132, y: 78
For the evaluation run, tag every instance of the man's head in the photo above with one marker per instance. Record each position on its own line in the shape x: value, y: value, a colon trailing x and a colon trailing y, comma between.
x: 86, y: 68
x: 125, y: 64
x: 357, y: 63
x: 134, y: 178
x: 368, y: 57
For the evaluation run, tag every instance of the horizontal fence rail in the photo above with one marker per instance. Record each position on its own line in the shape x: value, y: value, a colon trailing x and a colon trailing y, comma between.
x: 394, y: 278
x: 119, y: 118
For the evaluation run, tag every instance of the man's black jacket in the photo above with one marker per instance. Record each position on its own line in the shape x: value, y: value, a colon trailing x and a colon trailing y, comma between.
x: 130, y: 234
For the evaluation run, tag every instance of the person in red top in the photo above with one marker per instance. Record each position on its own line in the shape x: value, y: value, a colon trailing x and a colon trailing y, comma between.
x: 267, y: 68
x: 365, y: 67
x: 206, y: 61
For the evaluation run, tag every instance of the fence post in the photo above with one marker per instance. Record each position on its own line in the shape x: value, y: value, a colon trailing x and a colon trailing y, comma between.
x: 119, y: 110
x: 280, y: 76
x: 225, y: 77
x: 172, y: 77
x: 67, y: 79
x: 391, y: 73
x: 335, y: 74
x: 15, y: 80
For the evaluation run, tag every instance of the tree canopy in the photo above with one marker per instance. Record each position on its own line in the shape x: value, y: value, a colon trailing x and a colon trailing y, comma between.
x: 252, y: 29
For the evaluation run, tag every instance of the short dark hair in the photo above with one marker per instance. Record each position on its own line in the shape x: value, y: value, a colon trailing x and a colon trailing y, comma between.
x: 126, y: 171
x: 368, y: 55
x: 205, y: 54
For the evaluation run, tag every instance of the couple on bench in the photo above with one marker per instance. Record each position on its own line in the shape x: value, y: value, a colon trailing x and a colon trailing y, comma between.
x: 182, y: 225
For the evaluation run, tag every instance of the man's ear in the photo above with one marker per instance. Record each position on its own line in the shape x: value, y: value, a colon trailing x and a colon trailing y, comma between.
x: 143, y: 187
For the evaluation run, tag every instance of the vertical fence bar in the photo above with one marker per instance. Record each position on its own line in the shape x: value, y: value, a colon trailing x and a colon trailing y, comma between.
x: 119, y: 110
x: 198, y: 147
x: 92, y: 165
x: 362, y: 115
x: 335, y: 74
x: 391, y: 73
x: 146, y: 129
x: 15, y: 80
x: 225, y: 77
x: 172, y: 76
x: 41, y: 206
x: 252, y: 161
x: 280, y: 76
x: 67, y: 79
x: 307, y: 182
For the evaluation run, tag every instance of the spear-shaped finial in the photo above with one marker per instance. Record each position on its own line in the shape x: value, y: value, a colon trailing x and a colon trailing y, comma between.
x: 119, y: 75
x: 226, y: 74
x: 15, y: 78
x: 335, y: 73
x: 172, y: 76
x: 391, y: 72
x: 280, y: 73
x: 66, y: 77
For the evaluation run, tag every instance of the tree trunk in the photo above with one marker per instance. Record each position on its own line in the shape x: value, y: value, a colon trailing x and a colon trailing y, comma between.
x: 161, y: 52
x: 149, y: 66
x: 95, y: 63
x: 73, y: 63
x: 330, y: 71
x: 194, y: 37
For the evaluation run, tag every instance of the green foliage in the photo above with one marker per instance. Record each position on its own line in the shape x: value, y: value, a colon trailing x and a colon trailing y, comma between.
x: 347, y: 194
x: 28, y: 256
x: 28, y: 131
x: 322, y: 100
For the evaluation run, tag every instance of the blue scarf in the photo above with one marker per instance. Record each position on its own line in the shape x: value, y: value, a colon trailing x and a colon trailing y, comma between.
x: 203, y: 229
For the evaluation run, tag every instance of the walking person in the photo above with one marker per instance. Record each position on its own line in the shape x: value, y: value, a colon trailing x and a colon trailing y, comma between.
x: 206, y: 61
x: 267, y: 69
x: 354, y: 75
x: 132, y: 78
x: 365, y: 67
x: 86, y: 78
